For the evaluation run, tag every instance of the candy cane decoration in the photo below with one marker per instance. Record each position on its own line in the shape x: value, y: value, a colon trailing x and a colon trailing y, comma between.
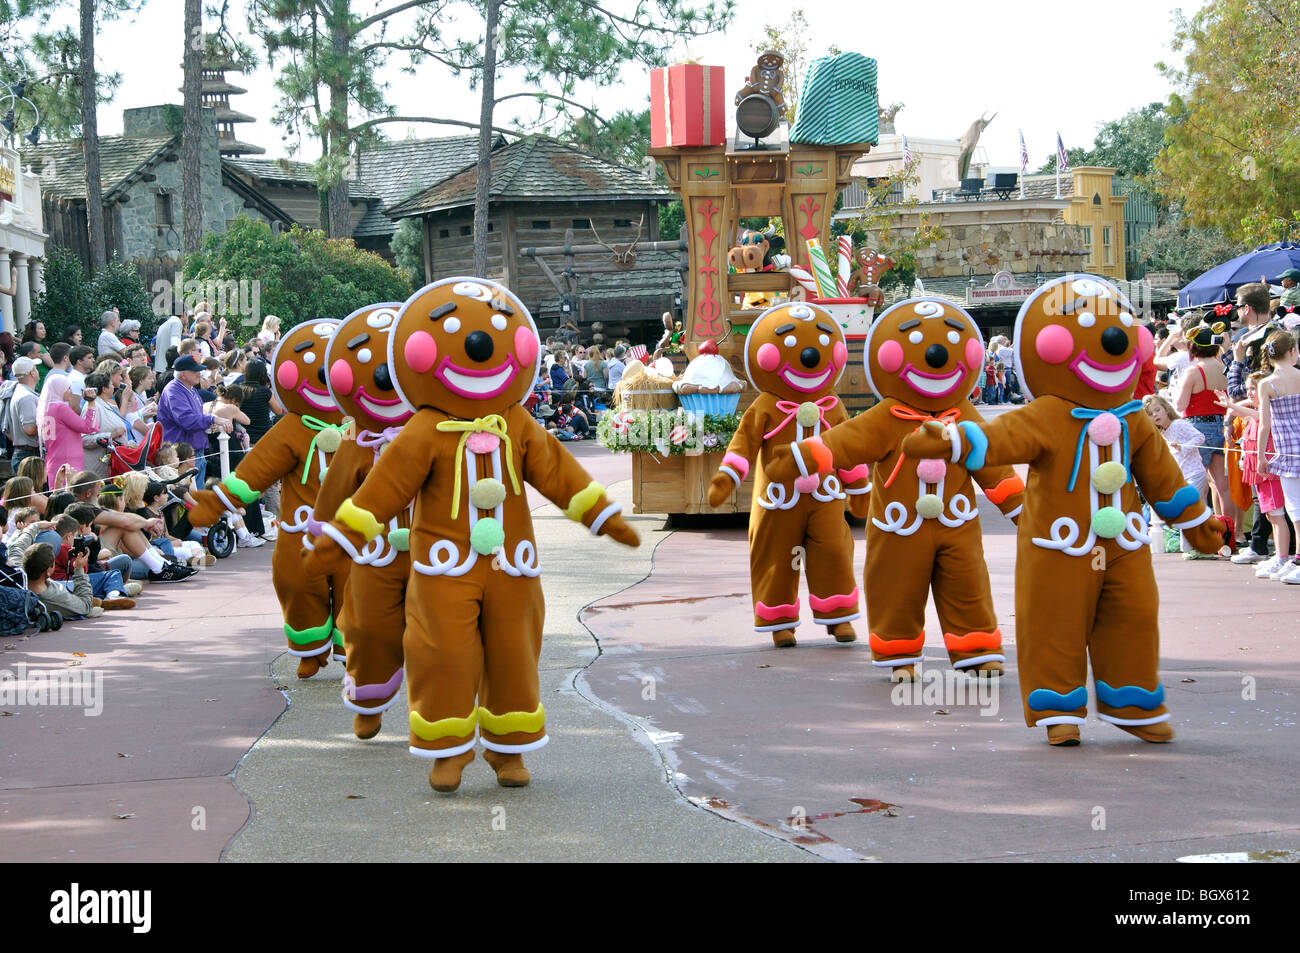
x: 845, y: 245
x: 805, y: 278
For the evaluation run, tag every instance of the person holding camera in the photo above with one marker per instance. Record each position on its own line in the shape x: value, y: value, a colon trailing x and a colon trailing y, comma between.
x: 73, y: 602
x: 63, y: 420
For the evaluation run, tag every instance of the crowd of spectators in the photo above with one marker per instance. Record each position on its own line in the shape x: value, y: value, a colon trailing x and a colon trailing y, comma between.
x: 81, y: 541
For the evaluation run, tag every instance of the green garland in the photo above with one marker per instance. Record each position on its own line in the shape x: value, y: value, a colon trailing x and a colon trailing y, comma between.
x: 649, y: 431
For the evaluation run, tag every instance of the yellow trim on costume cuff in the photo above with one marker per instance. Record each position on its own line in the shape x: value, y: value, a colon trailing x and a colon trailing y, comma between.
x: 358, y: 520
x: 584, y: 500
x: 529, y: 722
x: 443, y: 727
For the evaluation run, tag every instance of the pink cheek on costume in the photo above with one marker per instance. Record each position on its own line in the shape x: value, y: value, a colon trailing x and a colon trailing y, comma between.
x: 974, y: 355
x: 769, y: 356
x: 1054, y: 344
x: 421, y: 352
x: 890, y: 356
x: 840, y: 354
x: 525, y: 347
x: 286, y: 375
x: 1146, y: 345
x: 341, y: 377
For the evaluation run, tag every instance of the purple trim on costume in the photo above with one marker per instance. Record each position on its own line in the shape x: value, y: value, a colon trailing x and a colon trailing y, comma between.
x: 367, y: 693
x: 375, y: 441
x: 314, y: 526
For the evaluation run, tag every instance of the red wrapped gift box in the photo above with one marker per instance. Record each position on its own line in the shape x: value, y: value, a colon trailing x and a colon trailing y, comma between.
x: 686, y: 106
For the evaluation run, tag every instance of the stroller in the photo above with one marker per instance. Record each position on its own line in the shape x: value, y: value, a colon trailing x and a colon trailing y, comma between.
x: 219, y: 538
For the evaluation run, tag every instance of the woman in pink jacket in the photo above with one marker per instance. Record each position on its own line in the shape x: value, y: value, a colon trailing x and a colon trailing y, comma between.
x: 63, y: 417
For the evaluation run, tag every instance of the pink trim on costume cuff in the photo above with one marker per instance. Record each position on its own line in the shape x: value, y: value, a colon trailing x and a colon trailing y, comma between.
x: 774, y: 613
x: 844, y: 601
x: 737, y: 461
x: 860, y: 472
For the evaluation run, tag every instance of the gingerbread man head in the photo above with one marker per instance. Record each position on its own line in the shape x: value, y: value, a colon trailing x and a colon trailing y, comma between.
x: 465, y: 346
x: 795, y: 351
x: 1076, y: 338
x: 298, y: 371
x: 925, y: 352
x: 358, y: 375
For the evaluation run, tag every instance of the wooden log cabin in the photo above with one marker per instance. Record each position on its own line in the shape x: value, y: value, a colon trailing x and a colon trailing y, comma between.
x: 560, y: 222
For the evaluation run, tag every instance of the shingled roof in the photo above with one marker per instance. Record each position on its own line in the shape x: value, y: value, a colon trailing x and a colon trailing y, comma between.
x: 537, y: 169
x: 289, y: 172
x: 62, y: 167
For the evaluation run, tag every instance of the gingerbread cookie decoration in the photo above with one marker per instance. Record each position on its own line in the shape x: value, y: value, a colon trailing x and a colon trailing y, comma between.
x: 1084, y: 584
x: 794, y: 355
x: 373, y: 617
x: 296, y: 451
x: 923, y: 358
x: 766, y: 78
x: 464, y: 352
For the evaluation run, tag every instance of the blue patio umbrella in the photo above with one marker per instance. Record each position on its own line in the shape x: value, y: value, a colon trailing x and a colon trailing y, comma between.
x: 1221, y: 282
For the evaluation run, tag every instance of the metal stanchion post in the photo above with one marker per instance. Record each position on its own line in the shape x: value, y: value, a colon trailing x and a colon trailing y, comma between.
x: 224, y: 440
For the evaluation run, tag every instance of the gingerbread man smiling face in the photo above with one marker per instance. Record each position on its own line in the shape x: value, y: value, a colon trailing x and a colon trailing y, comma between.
x: 1076, y: 338
x: 298, y: 371
x: 465, y: 346
x: 795, y: 351
x: 924, y: 352
x: 359, y: 377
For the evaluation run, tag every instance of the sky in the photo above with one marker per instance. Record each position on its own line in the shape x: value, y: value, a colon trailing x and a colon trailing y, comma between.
x: 1042, y: 67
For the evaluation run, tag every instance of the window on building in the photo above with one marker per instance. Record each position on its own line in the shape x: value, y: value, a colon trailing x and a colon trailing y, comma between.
x: 1087, y: 238
x: 444, y: 233
x: 541, y: 224
x: 466, y: 230
x: 490, y: 227
x: 622, y: 223
x: 1108, y: 253
x: 582, y: 223
x: 1096, y: 198
x: 162, y: 203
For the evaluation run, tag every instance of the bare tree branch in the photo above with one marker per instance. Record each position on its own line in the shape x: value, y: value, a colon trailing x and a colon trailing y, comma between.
x: 429, y: 119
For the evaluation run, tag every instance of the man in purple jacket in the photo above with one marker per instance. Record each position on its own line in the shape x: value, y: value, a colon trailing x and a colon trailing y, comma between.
x: 181, y: 413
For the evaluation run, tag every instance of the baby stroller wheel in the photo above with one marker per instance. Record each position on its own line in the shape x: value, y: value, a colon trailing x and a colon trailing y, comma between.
x: 221, y: 539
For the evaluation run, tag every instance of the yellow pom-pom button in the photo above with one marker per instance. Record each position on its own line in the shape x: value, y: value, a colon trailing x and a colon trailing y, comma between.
x: 487, y: 493
x: 487, y: 536
x: 929, y: 506
x: 329, y: 440
x: 1108, y: 522
x: 809, y: 413
x: 1109, y: 477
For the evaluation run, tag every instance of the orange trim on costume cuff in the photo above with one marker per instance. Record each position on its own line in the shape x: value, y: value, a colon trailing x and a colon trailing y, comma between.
x: 896, y: 646
x: 821, y: 454
x: 999, y: 494
x: 973, y: 641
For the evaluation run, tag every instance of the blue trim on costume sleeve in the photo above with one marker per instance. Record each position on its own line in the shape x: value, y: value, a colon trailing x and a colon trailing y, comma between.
x: 1043, y: 699
x: 1175, y: 505
x: 1127, y: 695
x: 979, y: 445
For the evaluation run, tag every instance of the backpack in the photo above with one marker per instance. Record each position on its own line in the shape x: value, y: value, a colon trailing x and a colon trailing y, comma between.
x: 21, y: 610
x: 7, y: 391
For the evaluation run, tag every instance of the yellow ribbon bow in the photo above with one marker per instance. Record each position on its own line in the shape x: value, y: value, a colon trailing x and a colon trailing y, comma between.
x: 493, y: 424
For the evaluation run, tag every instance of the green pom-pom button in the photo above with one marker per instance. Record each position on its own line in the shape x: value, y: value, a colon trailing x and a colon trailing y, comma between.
x: 487, y: 493
x: 487, y: 536
x: 929, y: 506
x: 1109, y: 477
x: 1108, y: 522
x: 400, y: 539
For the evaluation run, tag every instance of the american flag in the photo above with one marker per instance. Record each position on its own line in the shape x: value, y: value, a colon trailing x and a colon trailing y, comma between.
x: 907, y: 152
x: 1024, y: 155
x: 1062, y: 160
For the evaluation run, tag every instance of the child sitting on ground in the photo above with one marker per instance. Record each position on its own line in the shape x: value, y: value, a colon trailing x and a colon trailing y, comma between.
x: 1183, y: 439
x: 74, y: 602
x: 23, y: 517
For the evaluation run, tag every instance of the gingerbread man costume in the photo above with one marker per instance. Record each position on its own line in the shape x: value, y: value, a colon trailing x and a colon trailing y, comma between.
x: 794, y: 354
x: 296, y: 451
x: 923, y: 358
x: 464, y: 352
x: 1084, y: 584
x: 373, y: 618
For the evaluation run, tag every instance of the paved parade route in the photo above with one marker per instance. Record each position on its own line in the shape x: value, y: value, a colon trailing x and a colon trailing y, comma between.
x: 677, y: 732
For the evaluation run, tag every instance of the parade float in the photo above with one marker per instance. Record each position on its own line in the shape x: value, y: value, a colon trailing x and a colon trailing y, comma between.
x: 768, y: 169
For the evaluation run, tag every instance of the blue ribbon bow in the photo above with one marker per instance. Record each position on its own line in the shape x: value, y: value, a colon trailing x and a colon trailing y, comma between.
x: 1089, y: 414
